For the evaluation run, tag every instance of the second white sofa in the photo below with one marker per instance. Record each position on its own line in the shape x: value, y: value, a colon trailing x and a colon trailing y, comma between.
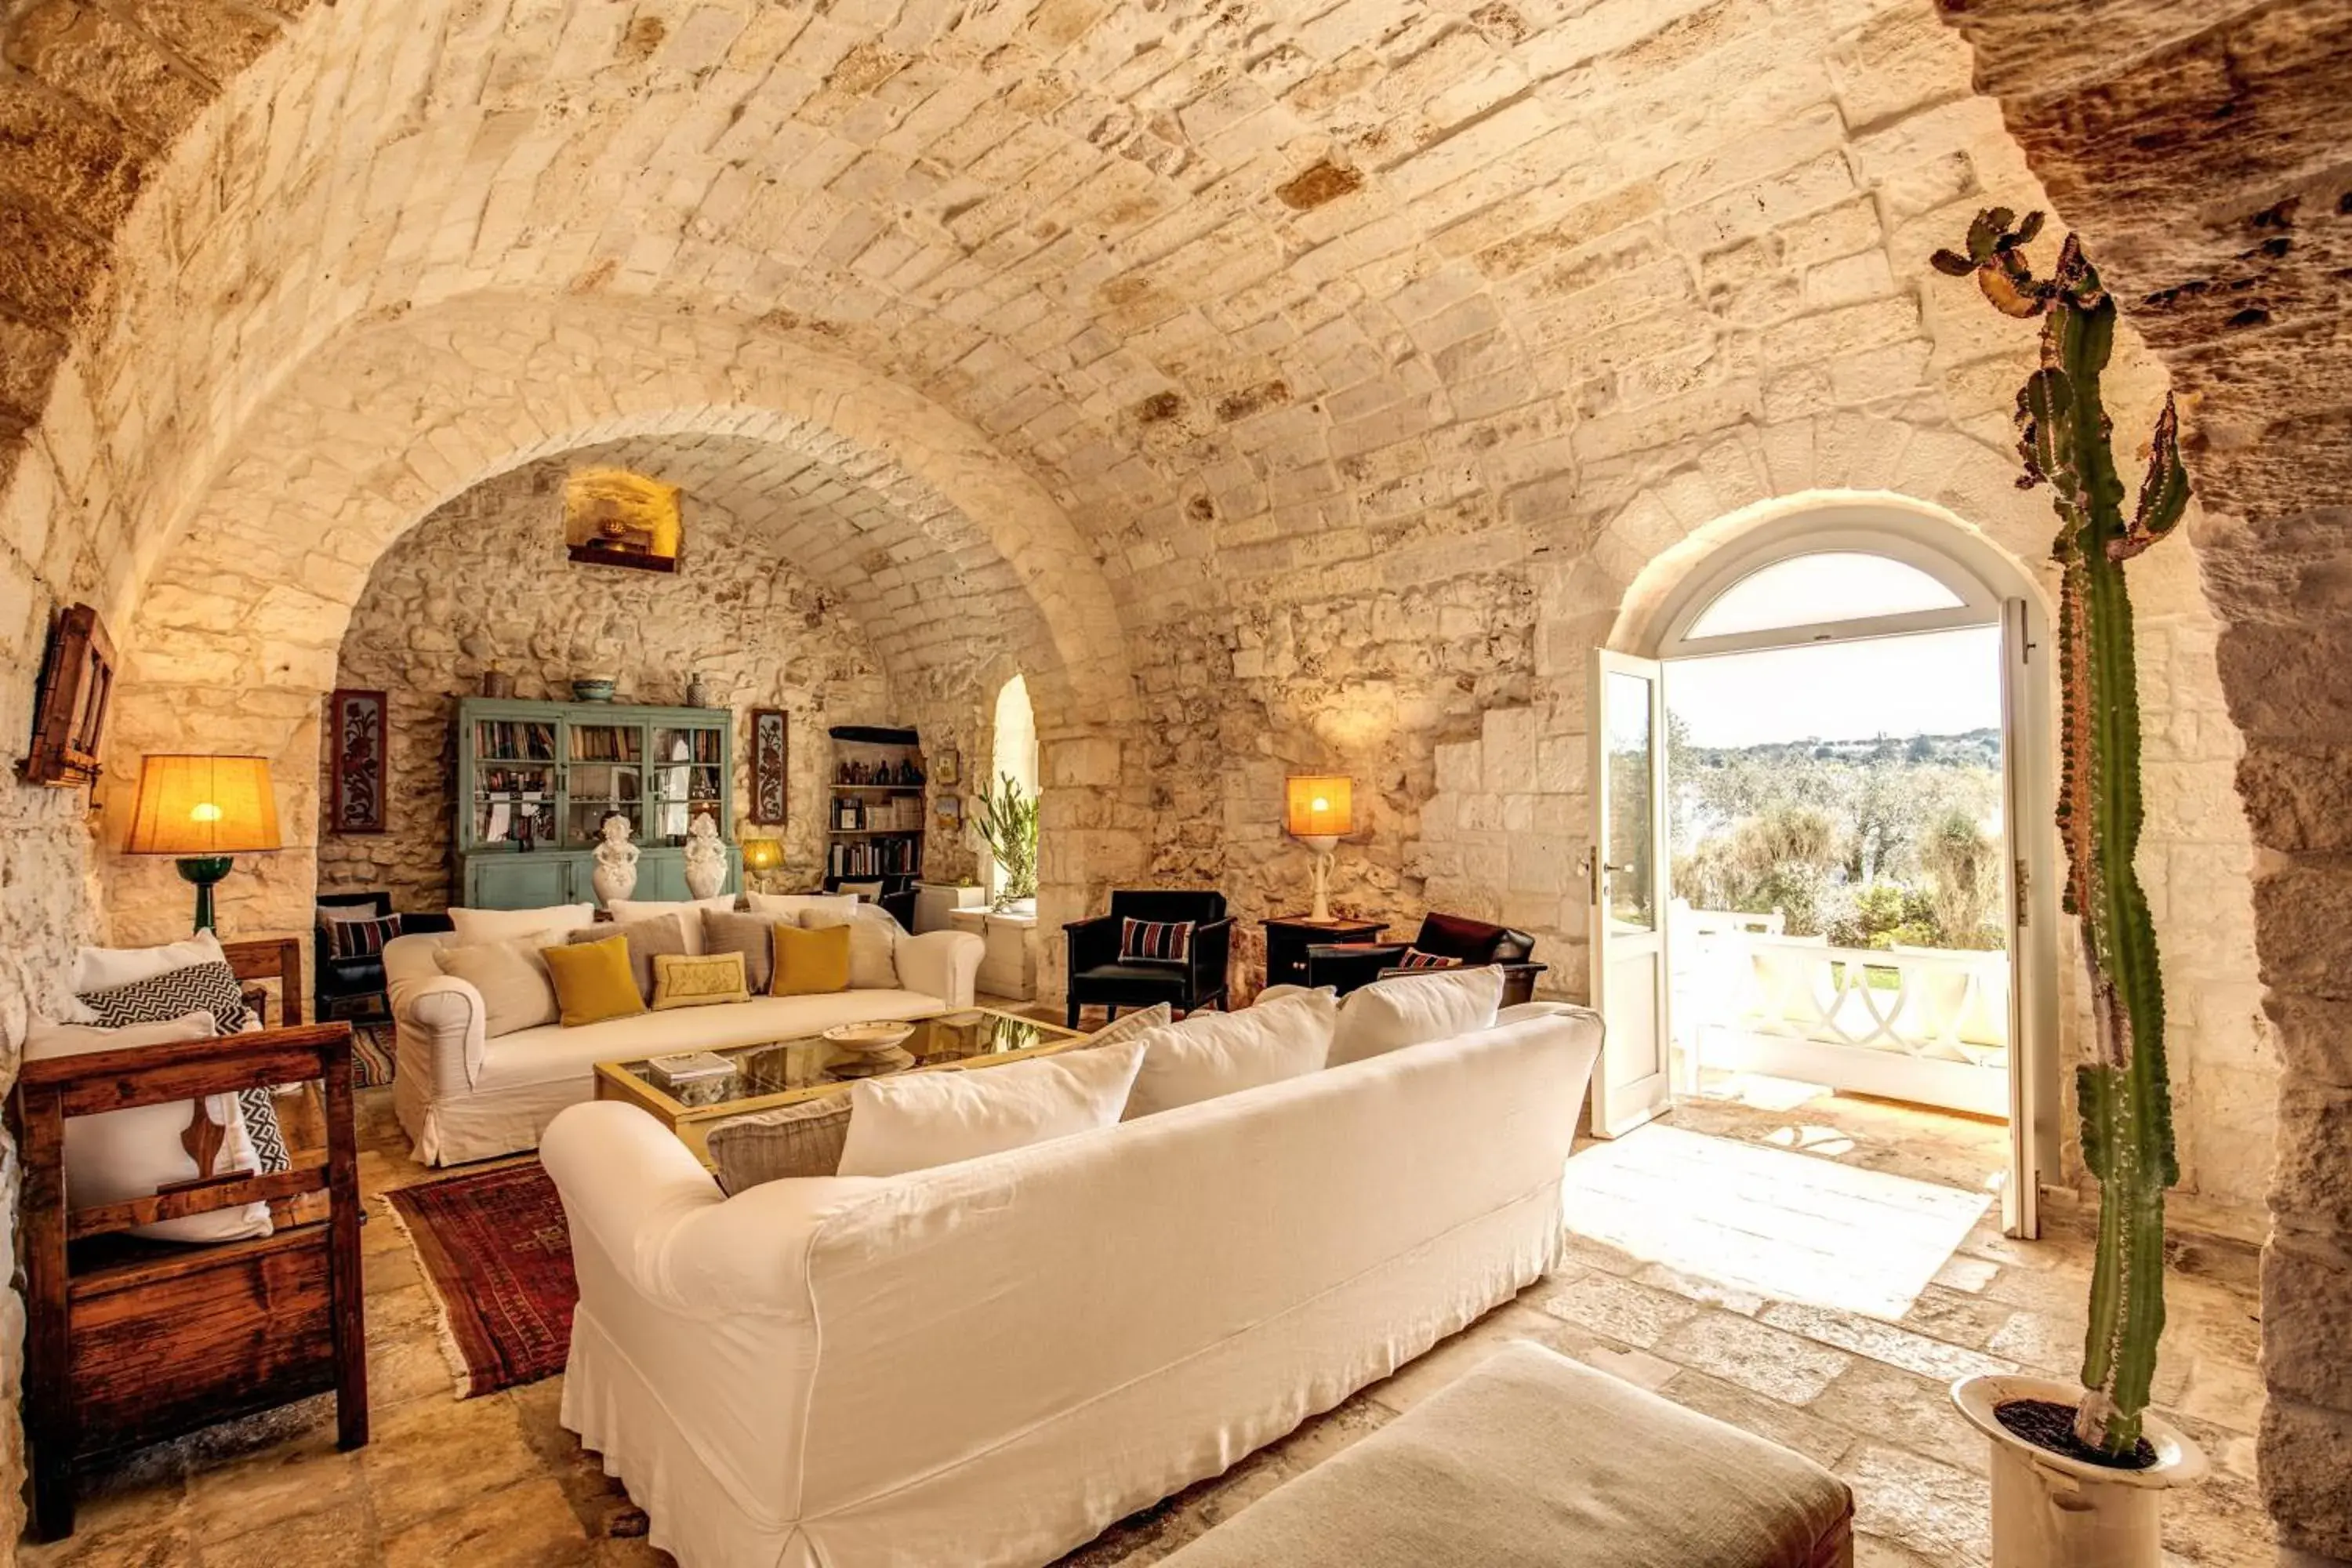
x: 463, y: 1094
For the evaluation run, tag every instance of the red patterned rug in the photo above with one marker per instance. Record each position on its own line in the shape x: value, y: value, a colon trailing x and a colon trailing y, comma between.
x: 497, y: 1258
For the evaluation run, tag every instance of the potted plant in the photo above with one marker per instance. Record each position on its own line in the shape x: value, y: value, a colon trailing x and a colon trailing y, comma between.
x: 2079, y: 1473
x: 1007, y: 821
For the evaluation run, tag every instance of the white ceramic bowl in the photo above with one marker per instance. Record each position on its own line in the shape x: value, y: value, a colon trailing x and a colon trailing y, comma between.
x: 881, y: 1035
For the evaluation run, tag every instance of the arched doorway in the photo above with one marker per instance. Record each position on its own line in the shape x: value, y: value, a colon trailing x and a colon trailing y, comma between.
x: 1014, y: 758
x: 1821, y: 785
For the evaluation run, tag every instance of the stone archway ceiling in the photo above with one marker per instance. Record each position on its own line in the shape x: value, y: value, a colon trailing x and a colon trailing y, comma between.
x: 829, y: 520
x: 91, y: 94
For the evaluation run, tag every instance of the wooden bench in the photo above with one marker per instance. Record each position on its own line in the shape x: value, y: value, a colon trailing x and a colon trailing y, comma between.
x: 1536, y: 1461
x: 131, y: 1341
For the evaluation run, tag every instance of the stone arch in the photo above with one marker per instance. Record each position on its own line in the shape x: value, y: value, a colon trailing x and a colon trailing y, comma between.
x: 243, y: 611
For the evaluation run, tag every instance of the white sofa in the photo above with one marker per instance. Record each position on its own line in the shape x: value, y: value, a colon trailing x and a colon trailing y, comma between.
x: 462, y: 1095
x: 987, y: 1364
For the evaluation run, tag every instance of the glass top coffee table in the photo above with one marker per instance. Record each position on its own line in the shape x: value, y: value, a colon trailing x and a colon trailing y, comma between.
x: 784, y: 1072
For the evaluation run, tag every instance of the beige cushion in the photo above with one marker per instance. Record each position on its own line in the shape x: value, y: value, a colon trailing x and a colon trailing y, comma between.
x: 688, y: 911
x: 873, y: 942
x: 1119, y: 1031
x: 1213, y: 1054
x: 803, y: 1140
x: 468, y: 927
x: 792, y: 904
x: 1415, y: 1009
x: 518, y: 993
x: 752, y: 935
x: 1534, y: 1459
x: 917, y: 1121
x: 708, y: 980
x: 646, y: 938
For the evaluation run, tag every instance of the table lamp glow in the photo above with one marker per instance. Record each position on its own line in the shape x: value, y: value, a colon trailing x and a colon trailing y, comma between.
x: 1318, y: 812
x: 204, y: 810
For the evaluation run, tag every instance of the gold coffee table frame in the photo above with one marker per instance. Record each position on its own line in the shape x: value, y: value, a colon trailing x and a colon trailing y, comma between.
x: 787, y: 1071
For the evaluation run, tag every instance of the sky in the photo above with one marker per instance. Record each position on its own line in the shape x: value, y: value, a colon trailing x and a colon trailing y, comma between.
x: 1937, y: 683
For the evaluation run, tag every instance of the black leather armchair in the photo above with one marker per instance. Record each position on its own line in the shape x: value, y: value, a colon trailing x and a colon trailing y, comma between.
x: 1101, y: 977
x: 1347, y: 965
x: 353, y: 987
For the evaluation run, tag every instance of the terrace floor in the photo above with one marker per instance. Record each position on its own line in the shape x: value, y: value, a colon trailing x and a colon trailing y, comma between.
x: 1817, y: 1272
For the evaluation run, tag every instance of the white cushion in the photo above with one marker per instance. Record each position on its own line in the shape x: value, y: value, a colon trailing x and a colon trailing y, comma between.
x: 793, y: 903
x: 518, y: 991
x: 1415, y: 1009
x: 472, y: 926
x: 1281, y: 993
x: 1213, y: 1054
x: 101, y: 968
x: 687, y: 911
x: 118, y: 1156
x: 873, y: 941
x: 917, y: 1121
x: 1141, y: 1022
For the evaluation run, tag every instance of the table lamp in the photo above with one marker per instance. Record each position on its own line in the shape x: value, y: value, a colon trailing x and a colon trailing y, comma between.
x: 1318, y: 812
x: 761, y: 856
x: 204, y: 810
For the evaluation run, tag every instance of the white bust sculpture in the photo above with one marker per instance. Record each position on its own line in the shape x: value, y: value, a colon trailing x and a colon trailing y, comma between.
x: 706, y: 858
x: 615, y: 875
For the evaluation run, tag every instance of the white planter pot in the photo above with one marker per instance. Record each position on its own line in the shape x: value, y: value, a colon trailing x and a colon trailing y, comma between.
x: 2051, y: 1511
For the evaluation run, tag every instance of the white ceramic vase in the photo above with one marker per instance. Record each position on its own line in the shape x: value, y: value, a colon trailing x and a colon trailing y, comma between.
x: 2051, y: 1512
x: 613, y: 883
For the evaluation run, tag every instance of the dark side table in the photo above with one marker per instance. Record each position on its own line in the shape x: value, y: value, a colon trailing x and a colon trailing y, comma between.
x: 1287, y: 937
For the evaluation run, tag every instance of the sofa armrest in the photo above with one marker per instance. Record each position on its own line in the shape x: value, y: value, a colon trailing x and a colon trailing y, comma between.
x: 1093, y: 941
x: 1211, y: 955
x: 443, y: 1016
x: 942, y: 963
x: 649, y: 1206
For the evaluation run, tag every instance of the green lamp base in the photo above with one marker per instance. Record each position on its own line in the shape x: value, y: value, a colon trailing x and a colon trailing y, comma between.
x: 204, y: 871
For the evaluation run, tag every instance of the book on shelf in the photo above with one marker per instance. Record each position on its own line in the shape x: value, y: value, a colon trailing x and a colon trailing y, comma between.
x: 524, y: 739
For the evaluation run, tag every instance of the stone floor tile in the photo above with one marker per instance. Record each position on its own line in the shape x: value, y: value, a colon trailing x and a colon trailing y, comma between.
x: 1877, y: 1552
x: 2224, y: 1393
x: 300, y: 1476
x: 1957, y: 1317
x: 1758, y: 1358
x: 1822, y: 1441
x: 1599, y: 1255
x: 428, y: 1456
x: 1961, y: 1272
x: 129, y: 1543
x: 341, y: 1535
x: 2041, y: 1342
x: 1320, y: 1437
x: 524, y: 1525
x: 1632, y: 1313
x: 1698, y: 1287
x: 1905, y: 1409
x: 1884, y: 1341
x: 1942, y: 1513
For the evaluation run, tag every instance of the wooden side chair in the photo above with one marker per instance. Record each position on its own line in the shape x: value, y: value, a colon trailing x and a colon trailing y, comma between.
x: 131, y: 1341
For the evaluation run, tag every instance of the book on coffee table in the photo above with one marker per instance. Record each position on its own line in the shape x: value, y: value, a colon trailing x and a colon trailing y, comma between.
x: 687, y: 1066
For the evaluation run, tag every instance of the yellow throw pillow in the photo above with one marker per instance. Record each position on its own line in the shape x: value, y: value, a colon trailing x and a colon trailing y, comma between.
x: 810, y: 961
x: 592, y: 981
x: 683, y: 981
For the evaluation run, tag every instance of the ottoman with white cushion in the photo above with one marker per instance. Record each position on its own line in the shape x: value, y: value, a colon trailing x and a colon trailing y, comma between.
x: 1536, y: 1461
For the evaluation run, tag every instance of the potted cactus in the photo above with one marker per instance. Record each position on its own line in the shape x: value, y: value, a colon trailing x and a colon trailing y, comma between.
x: 2079, y: 1473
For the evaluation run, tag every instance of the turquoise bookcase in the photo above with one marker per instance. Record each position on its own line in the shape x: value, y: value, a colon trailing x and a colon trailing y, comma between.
x: 567, y: 765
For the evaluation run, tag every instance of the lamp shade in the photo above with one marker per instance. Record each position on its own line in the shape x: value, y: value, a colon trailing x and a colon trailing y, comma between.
x: 1317, y: 807
x: 202, y: 806
x: 762, y: 854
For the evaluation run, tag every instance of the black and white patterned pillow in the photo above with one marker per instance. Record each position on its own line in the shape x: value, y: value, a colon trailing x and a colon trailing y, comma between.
x: 1155, y: 942
x: 199, y: 988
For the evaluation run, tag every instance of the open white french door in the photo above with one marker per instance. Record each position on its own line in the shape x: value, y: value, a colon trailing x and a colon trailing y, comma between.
x: 1632, y: 1081
x: 2023, y: 789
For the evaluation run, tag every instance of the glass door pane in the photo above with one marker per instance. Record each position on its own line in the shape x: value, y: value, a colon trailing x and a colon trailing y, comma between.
x: 686, y: 769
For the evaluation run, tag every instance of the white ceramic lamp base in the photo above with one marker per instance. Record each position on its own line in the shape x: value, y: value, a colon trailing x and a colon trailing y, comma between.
x: 1321, y: 844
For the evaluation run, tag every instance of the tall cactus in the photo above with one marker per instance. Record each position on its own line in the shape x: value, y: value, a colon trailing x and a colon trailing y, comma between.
x: 2124, y: 1096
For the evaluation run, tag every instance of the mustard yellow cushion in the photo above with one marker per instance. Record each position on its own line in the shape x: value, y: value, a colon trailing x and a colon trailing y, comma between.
x: 592, y: 981
x: 810, y: 961
x: 683, y: 981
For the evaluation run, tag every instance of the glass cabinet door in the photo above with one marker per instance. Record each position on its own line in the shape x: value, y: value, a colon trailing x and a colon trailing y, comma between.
x: 605, y: 775
x: 513, y: 802
x: 688, y: 778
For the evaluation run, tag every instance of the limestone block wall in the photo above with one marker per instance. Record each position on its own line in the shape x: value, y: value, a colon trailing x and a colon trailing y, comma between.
x: 483, y: 582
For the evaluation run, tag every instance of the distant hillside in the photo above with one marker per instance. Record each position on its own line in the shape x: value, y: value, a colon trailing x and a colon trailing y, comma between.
x: 1969, y: 749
